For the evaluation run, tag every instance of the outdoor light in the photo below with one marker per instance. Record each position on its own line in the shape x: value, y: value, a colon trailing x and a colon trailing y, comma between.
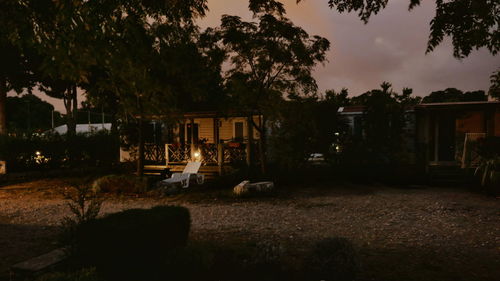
x: 337, y: 133
x: 197, y: 155
x: 38, y: 153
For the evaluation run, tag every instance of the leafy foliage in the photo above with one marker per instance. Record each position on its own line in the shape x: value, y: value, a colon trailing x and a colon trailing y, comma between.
x: 268, y: 60
x: 489, y: 166
x: 40, y: 152
x: 304, y: 126
x: 494, y: 90
x: 383, y: 125
x: 84, y: 203
x: 28, y: 113
x: 454, y: 95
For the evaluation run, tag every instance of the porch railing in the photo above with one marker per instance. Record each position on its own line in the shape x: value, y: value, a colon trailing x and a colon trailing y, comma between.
x: 208, y: 153
x: 177, y: 153
x: 154, y: 153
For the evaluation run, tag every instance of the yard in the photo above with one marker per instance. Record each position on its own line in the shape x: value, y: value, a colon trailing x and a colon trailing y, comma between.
x: 417, y: 233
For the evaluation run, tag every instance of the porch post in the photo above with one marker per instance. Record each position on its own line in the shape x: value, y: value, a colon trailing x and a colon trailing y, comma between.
x: 249, y: 149
x: 167, y: 154
x: 220, y: 157
x: 425, y: 130
x: 216, y: 130
x: 436, y: 138
x: 193, y: 146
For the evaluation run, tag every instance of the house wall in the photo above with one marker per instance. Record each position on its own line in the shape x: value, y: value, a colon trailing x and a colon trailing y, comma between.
x: 471, y: 122
x: 226, y: 128
x: 205, y: 129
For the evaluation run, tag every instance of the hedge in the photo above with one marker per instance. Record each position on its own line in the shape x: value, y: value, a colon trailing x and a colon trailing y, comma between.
x: 133, y: 244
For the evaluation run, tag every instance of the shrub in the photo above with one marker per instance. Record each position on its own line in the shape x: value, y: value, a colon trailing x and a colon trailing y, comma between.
x: 84, y: 203
x: 488, y: 169
x: 133, y: 244
x: 41, y: 152
x: 122, y: 184
x: 333, y: 259
x: 89, y: 274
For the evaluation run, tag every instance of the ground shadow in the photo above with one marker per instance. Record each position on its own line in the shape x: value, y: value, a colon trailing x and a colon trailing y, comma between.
x: 21, y: 242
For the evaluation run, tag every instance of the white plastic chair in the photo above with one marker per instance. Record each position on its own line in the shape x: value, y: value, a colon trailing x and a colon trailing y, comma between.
x: 189, y: 172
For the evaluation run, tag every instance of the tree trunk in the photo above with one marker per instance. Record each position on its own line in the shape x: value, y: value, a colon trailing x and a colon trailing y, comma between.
x: 71, y: 111
x: 140, y: 152
x: 3, y: 100
x: 262, y: 141
x: 140, y: 156
x: 250, y: 142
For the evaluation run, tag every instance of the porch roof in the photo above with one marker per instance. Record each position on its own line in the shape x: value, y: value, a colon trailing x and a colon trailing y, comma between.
x: 204, y: 114
x: 460, y: 105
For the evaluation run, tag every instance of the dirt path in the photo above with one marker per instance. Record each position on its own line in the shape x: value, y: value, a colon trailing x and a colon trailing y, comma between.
x: 402, y: 234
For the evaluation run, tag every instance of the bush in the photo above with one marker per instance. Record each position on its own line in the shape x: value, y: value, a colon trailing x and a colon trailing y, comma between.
x: 41, y: 152
x: 133, y: 244
x: 123, y: 184
x: 86, y: 274
x: 333, y: 259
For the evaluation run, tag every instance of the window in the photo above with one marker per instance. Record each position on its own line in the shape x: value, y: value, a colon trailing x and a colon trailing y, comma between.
x: 238, y: 131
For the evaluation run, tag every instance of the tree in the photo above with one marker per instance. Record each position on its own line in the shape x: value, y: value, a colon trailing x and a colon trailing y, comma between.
x: 471, y: 24
x: 15, y: 31
x: 28, y: 113
x: 494, y: 90
x: 269, y: 60
x: 454, y: 95
x: 383, y: 122
x: 146, y: 59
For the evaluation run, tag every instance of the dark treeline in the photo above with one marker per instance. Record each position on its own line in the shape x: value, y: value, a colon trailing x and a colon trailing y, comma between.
x: 134, y: 59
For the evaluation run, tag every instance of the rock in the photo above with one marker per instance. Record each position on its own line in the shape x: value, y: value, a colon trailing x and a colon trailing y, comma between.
x: 168, y: 188
x: 39, y: 264
x: 263, y: 186
x: 241, y: 188
x: 245, y: 187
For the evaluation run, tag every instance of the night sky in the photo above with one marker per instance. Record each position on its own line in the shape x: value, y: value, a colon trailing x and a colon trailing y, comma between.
x: 391, y: 47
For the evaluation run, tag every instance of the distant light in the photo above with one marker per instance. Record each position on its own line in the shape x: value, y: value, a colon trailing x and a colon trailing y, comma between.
x: 197, y: 154
x: 337, y: 133
x: 38, y: 153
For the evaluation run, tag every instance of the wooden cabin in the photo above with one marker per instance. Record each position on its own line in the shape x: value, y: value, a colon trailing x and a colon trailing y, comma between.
x: 441, y: 134
x: 448, y: 132
x: 218, y: 140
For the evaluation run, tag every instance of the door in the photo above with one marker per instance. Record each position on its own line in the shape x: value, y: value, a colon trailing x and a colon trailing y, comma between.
x: 190, y: 130
x: 446, y: 137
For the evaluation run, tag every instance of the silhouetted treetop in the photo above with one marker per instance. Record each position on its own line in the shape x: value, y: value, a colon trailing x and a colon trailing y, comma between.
x: 494, y: 90
x: 454, y: 95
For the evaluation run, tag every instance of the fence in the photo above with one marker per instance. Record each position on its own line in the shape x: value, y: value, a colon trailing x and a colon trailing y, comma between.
x: 208, y: 154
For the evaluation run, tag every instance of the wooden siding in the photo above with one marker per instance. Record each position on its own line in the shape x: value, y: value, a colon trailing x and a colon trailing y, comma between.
x: 471, y: 122
x: 205, y: 129
x: 226, y: 128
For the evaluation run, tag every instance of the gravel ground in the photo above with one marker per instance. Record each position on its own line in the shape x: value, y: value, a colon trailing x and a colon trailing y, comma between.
x: 402, y: 234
